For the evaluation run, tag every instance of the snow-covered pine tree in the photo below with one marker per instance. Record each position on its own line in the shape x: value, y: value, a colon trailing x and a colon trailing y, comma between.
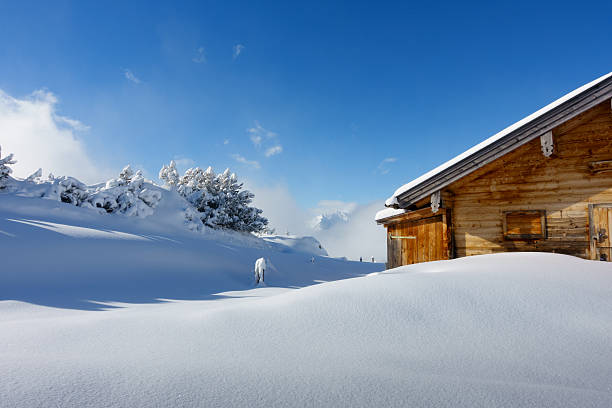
x: 199, y: 187
x: 208, y: 200
x: 126, y: 194
x: 235, y: 212
x: 35, y: 177
x: 192, y: 218
x: 219, y: 199
x: 67, y: 190
x: 5, y: 170
x: 126, y: 174
x: 169, y: 174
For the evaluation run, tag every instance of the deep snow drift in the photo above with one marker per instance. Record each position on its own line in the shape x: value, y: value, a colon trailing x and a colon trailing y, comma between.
x: 150, y: 314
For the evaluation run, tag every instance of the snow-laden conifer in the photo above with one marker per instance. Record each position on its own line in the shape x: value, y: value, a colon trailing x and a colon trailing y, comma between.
x: 169, y: 174
x: 126, y: 174
x: 5, y: 170
x: 126, y: 194
x: 35, y: 177
x: 67, y: 190
x: 219, y: 199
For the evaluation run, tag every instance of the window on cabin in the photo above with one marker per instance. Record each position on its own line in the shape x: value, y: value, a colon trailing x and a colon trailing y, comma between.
x: 525, y: 225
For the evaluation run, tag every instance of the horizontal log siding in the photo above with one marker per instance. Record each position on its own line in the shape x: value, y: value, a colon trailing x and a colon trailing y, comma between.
x: 526, y: 180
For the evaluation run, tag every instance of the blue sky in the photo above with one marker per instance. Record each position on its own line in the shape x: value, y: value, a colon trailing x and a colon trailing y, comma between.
x: 350, y: 99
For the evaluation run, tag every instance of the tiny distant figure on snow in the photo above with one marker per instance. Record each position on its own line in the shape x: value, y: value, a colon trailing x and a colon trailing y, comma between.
x: 372, y: 259
x: 260, y: 269
x: 360, y: 259
x: 312, y: 260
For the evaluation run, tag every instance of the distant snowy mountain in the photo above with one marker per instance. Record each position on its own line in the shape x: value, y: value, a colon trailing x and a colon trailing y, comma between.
x: 348, y: 231
x: 309, y: 245
x: 328, y: 220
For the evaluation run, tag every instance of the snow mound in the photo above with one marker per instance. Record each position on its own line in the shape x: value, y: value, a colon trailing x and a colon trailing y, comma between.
x: 519, y: 330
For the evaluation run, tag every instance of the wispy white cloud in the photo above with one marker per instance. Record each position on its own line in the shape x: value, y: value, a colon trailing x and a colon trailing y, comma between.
x: 383, y: 167
x: 329, y: 206
x: 200, y: 57
x: 256, y: 139
x: 261, y: 136
x: 243, y: 160
x: 32, y: 129
x: 72, y: 123
x: 280, y: 207
x: 129, y: 75
x: 226, y: 142
x: 274, y: 150
x: 237, y: 50
x: 258, y: 133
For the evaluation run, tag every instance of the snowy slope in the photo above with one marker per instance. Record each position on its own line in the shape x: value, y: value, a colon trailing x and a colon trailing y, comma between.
x: 516, y: 330
x: 57, y: 254
x: 108, y: 310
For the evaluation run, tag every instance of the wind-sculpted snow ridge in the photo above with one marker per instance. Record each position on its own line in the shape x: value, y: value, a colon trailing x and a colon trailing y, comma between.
x: 515, y: 330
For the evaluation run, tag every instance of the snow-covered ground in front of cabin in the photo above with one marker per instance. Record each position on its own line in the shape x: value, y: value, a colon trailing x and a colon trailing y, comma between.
x: 102, y: 310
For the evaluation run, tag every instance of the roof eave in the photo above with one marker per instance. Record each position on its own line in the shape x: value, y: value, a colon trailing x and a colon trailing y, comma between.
x: 529, y: 131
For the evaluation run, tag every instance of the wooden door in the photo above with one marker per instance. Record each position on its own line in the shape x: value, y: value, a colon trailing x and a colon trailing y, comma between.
x: 421, y: 240
x: 601, y: 223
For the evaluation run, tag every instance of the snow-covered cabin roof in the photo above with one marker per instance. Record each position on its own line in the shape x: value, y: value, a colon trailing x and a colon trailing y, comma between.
x: 523, y: 131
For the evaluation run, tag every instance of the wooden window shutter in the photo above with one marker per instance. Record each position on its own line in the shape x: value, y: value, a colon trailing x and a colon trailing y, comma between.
x: 524, y: 225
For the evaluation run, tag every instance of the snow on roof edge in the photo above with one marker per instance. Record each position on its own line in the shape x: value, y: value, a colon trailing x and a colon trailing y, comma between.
x: 391, y: 200
x: 388, y: 213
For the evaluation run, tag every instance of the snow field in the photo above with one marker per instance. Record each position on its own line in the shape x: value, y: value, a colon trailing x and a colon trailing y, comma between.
x: 115, y: 311
x: 520, y: 330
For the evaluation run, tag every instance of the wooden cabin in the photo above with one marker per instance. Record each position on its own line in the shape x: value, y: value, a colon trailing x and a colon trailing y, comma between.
x: 542, y: 184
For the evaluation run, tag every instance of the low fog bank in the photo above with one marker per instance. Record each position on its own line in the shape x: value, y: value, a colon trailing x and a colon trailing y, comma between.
x: 359, y: 237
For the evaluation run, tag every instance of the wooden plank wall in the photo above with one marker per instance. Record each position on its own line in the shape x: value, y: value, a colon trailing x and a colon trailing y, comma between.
x: 394, y: 249
x: 600, y: 215
x: 432, y: 238
x: 563, y: 185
